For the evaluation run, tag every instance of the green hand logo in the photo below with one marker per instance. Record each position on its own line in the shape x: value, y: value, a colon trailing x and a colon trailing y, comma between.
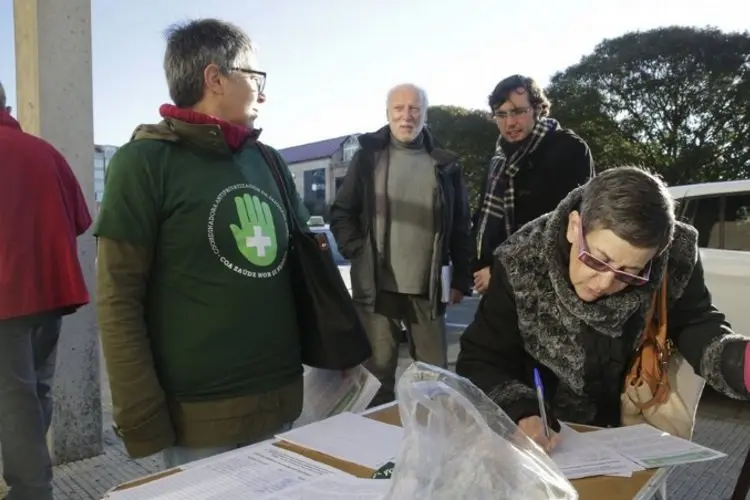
x: 256, y: 234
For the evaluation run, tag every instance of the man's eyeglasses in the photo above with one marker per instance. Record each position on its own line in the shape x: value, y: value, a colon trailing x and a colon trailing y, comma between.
x: 258, y: 76
x: 515, y: 113
x: 602, y: 267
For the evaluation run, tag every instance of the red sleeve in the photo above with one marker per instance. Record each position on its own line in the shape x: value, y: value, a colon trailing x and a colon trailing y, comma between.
x: 75, y: 201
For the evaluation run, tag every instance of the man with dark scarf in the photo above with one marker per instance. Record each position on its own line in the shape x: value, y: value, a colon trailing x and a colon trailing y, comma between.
x: 535, y: 165
x: 402, y: 217
x: 569, y: 296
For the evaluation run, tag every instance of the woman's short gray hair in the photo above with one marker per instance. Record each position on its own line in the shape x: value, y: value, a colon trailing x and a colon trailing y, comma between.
x: 632, y: 203
x: 194, y: 45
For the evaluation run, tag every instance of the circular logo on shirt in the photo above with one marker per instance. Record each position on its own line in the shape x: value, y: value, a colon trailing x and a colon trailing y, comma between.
x: 248, y: 232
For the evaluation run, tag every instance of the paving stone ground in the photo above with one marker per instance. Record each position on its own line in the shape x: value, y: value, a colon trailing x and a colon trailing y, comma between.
x: 722, y: 424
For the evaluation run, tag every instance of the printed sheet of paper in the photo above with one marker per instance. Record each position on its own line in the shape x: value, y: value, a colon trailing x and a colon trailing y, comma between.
x: 577, y: 456
x: 350, y: 437
x: 336, y: 487
x: 330, y: 392
x: 652, y: 448
x: 262, y: 471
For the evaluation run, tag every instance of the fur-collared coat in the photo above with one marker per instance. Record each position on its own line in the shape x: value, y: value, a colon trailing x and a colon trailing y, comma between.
x: 531, y: 318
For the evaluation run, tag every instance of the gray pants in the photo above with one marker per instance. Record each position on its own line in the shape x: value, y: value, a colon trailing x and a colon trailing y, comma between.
x: 426, y: 337
x: 28, y: 351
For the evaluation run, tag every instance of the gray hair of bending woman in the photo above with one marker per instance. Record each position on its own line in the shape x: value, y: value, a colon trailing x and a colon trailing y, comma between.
x: 632, y: 203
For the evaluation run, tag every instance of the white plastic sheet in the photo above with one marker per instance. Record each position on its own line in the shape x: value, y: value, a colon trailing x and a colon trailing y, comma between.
x: 458, y: 444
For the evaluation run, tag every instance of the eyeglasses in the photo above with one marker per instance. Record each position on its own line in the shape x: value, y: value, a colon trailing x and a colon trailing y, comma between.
x: 258, y: 76
x: 602, y: 267
x: 515, y: 113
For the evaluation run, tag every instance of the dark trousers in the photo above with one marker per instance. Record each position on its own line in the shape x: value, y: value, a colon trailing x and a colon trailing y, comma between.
x: 28, y: 352
x: 426, y: 337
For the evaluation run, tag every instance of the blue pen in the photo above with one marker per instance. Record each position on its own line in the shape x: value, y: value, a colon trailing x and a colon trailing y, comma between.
x: 540, y: 399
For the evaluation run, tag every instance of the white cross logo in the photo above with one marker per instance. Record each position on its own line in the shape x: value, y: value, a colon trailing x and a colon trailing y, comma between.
x: 259, y: 241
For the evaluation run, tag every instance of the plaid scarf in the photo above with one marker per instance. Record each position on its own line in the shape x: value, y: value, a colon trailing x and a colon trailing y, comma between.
x: 501, y: 205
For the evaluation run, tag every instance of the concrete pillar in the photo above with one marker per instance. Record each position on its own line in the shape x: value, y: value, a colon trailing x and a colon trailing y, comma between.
x: 54, y: 89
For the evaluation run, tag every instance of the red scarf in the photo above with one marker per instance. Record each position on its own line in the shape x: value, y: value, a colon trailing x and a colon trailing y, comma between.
x: 234, y: 135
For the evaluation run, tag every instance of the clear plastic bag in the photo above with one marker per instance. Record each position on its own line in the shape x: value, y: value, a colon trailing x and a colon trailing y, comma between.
x: 458, y: 444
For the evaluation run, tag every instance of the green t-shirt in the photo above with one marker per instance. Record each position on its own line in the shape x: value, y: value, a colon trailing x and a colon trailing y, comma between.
x: 219, y: 308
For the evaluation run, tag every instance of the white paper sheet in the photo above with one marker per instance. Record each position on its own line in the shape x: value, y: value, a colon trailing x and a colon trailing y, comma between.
x: 578, y: 456
x: 262, y: 471
x: 350, y: 437
x: 446, y: 276
x: 337, y: 487
x: 330, y: 392
x: 652, y: 448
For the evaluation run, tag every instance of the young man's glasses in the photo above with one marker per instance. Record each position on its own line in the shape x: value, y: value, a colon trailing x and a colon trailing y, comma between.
x: 515, y: 113
x: 600, y: 266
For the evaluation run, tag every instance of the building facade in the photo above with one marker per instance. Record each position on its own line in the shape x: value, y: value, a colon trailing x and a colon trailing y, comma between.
x: 102, y: 155
x: 318, y: 169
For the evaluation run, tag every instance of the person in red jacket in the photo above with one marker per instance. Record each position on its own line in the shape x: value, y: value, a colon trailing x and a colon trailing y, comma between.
x: 42, y: 211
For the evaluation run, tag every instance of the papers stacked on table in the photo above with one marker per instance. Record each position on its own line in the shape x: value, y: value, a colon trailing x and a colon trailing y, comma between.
x: 622, y: 451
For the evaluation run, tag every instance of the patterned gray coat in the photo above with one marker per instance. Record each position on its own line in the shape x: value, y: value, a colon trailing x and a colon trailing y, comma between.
x: 531, y: 318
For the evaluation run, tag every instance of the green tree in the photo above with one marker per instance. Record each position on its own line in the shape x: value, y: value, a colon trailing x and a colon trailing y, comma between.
x: 472, y: 134
x: 674, y: 99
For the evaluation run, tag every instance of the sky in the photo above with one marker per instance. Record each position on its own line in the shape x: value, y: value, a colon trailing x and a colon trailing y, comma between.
x: 330, y: 63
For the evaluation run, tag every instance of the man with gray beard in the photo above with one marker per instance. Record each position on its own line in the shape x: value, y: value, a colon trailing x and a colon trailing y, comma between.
x: 402, y: 218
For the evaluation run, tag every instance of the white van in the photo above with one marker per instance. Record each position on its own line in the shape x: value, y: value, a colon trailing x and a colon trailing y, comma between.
x: 720, y: 211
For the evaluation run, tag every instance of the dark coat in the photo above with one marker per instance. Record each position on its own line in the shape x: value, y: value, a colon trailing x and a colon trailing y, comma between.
x: 353, y: 212
x: 531, y: 318
x: 560, y: 163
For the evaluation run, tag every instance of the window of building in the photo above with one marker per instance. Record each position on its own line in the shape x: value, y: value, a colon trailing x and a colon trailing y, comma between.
x: 737, y: 222
x: 315, y: 185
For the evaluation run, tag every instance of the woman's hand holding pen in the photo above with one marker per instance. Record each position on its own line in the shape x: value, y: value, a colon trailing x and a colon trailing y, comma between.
x: 535, y: 429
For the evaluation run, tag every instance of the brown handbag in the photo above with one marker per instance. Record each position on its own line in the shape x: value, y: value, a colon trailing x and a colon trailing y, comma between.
x: 650, y: 393
x: 651, y: 362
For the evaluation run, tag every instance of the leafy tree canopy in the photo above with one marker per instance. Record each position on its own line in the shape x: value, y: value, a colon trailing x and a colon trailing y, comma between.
x: 472, y: 134
x: 674, y: 99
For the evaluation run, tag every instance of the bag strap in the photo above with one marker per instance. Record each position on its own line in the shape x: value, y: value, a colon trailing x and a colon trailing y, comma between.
x: 296, y: 227
x: 662, y: 335
x: 273, y: 165
x: 657, y: 312
x: 659, y: 343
